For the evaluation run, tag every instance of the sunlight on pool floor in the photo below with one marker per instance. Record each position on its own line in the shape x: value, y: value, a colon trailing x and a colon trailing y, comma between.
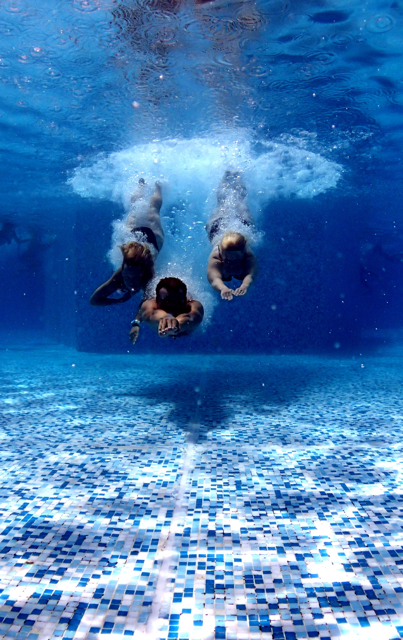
x: 200, y: 497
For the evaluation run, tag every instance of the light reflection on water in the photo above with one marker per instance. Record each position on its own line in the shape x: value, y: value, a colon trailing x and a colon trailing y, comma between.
x: 193, y: 69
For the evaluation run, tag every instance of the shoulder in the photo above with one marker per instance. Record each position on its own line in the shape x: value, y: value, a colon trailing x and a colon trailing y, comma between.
x: 149, y: 305
x: 215, y: 258
x: 196, y: 306
x: 147, y: 309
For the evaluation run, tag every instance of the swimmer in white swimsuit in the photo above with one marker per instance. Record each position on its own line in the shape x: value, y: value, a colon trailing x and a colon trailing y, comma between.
x: 171, y: 313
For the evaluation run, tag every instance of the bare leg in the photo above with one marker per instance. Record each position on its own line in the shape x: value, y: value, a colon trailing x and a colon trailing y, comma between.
x: 154, y: 218
x: 143, y: 215
x: 243, y: 214
x: 139, y: 193
x: 156, y: 198
x: 231, y: 194
x: 231, y: 186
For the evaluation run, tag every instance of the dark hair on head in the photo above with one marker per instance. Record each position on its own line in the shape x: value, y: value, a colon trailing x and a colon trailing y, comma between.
x: 172, y: 284
x: 139, y: 256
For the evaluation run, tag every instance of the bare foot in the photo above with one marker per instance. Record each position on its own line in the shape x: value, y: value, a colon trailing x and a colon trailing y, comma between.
x: 139, y: 193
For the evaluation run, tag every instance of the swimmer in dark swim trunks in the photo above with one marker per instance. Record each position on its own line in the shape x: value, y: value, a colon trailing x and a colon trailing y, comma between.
x: 231, y: 256
x: 139, y: 254
x: 231, y: 206
x: 171, y: 313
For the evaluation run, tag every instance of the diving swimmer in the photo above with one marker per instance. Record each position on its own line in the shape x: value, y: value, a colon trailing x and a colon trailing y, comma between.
x: 231, y: 256
x: 139, y: 254
x: 170, y: 313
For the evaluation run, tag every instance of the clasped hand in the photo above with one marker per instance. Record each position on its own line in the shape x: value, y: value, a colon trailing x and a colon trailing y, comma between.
x: 168, y: 327
x: 228, y: 294
x: 241, y: 290
x: 134, y: 334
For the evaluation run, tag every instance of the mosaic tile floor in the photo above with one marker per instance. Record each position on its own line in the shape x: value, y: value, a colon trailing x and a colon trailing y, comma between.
x: 236, y: 498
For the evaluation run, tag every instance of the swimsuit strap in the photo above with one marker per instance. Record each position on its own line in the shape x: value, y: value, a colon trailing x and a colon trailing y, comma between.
x: 214, y: 228
x: 149, y: 234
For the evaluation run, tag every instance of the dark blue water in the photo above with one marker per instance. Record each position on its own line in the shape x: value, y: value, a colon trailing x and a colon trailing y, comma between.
x: 305, y: 99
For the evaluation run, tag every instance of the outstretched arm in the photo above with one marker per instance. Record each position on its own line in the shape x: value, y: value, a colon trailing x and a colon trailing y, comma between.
x: 152, y: 315
x: 100, y: 296
x: 214, y: 276
x: 165, y: 324
x: 251, y: 271
x: 135, y: 328
x: 188, y: 322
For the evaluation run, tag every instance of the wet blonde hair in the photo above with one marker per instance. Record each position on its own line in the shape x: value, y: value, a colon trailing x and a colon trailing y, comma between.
x: 139, y: 256
x: 233, y: 241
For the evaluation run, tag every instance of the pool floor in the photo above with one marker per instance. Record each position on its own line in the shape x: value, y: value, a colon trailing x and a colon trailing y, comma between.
x: 200, y: 497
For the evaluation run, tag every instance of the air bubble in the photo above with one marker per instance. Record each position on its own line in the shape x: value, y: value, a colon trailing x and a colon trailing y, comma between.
x: 36, y: 51
x: 24, y: 59
x: 86, y: 6
x: 15, y: 7
x: 53, y: 73
x: 380, y: 24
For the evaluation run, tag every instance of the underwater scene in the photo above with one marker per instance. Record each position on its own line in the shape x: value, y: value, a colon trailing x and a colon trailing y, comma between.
x: 201, y: 327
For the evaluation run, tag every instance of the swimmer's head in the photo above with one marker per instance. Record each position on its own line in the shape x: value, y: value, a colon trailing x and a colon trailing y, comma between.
x: 171, y: 295
x: 137, y: 266
x: 233, y: 246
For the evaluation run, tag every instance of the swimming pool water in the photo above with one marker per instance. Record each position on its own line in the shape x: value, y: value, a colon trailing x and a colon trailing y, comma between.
x: 168, y: 493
